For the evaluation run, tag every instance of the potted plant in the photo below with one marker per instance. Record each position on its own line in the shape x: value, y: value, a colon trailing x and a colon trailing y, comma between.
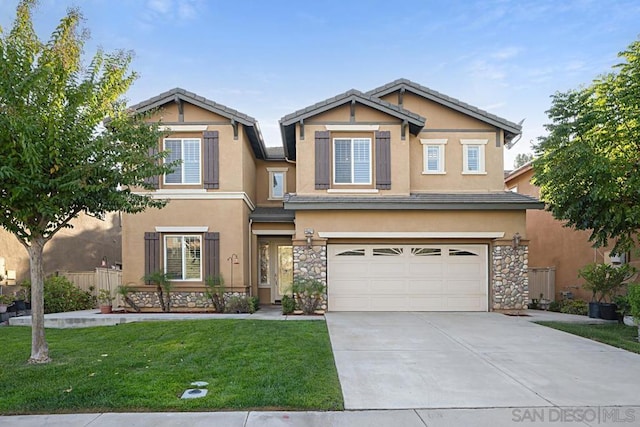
x: 21, y: 300
x: 105, y: 300
x: 604, y: 281
x: 5, y: 302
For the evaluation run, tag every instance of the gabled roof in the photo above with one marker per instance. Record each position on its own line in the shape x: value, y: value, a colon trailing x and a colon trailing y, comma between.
x: 517, y: 172
x: 512, y: 129
x: 503, y: 200
x: 288, y: 122
x: 178, y: 94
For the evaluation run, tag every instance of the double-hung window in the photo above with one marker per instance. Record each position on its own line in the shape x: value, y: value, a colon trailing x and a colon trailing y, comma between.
x: 182, y: 257
x: 473, y: 156
x: 187, y: 152
x: 352, y: 161
x: 433, y: 155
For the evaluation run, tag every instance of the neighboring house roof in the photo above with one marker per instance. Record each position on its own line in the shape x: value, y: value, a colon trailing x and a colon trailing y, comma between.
x: 288, y: 122
x: 178, y: 94
x: 512, y: 129
x: 517, y: 172
x: 504, y: 200
x: 267, y: 214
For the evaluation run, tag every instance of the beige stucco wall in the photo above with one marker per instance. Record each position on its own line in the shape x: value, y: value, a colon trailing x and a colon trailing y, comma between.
x: 236, y: 156
x: 508, y: 222
x: 305, y: 157
x: 80, y: 248
x: 228, y: 217
x: 407, y: 155
x: 262, y: 181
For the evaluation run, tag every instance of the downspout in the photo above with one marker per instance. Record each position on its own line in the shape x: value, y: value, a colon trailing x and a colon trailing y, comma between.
x: 250, y: 258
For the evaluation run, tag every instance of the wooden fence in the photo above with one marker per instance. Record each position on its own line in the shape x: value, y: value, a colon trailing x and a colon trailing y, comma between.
x: 542, y: 280
x: 93, y: 281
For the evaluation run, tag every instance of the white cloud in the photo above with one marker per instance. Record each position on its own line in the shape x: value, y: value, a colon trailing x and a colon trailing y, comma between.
x: 506, y: 53
x: 160, y: 6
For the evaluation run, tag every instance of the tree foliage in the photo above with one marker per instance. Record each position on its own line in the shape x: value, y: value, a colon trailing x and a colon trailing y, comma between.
x: 587, y: 167
x: 58, y: 157
x: 522, y: 159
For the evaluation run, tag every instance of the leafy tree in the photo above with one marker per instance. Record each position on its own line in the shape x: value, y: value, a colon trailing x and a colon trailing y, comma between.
x: 522, y: 159
x: 58, y: 159
x: 588, y: 167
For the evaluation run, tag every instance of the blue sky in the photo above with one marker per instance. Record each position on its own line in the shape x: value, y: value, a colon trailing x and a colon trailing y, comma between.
x: 268, y: 58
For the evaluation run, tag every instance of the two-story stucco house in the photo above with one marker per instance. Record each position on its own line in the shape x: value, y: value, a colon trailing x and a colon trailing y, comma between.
x: 394, y: 198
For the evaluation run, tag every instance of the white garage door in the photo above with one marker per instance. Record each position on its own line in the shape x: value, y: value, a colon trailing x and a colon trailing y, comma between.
x: 407, y: 277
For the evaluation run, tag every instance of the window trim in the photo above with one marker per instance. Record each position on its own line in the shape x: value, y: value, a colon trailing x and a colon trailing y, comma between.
x: 440, y: 144
x: 272, y: 172
x: 184, y: 269
x: 333, y: 161
x: 182, y: 140
x: 480, y: 143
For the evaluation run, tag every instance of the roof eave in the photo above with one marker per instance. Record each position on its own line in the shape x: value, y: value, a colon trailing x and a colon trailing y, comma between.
x: 391, y: 205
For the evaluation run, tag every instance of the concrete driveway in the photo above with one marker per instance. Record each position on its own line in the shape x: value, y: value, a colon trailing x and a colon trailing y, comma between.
x: 474, y: 360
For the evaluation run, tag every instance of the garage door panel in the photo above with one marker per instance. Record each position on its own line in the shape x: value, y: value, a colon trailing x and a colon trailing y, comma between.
x: 407, y: 277
x: 425, y: 270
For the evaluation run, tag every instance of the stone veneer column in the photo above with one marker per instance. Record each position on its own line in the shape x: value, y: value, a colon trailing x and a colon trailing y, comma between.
x: 311, y: 263
x: 510, y: 281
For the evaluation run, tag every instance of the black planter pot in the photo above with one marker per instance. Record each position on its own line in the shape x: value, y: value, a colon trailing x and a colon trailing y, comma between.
x: 20, y: 305
x: 608, y: 311
x: 594, y: 310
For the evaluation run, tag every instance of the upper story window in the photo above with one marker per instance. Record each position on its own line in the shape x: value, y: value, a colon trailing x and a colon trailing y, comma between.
x: 473, y: 161
x: 433, y: 155
x: 187, y: 151
x: 182, y: 257
x: 277, y: 183
x: 352, y: 161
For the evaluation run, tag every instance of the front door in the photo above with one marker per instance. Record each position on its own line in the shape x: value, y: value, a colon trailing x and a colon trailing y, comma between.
x: 276, y: 267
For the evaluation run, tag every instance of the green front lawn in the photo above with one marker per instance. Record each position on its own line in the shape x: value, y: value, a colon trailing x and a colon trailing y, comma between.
x: 147, y: 366
x: 621, y: 336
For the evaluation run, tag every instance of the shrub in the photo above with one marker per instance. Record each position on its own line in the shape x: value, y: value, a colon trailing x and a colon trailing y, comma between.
x: 604, y: 280
x: 574, y: 306
x: 61, y: 295
x: 238, y: 304
x: 163, y: 288
x: 215, y: 292
x: 555, y: 306
x: 288, y: 304
x: 623, y: 308
x: 308, y: 294
x: 634, y: 300
x: 255, y: 304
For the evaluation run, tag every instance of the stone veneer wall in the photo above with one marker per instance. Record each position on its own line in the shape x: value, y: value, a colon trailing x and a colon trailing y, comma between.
x: 510, y: 282
x: 311, y: 263
x: 196, y: 300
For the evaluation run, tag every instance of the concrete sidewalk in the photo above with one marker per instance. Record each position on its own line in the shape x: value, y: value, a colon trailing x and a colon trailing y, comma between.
x: 90, y: 318
x: 488, y: 417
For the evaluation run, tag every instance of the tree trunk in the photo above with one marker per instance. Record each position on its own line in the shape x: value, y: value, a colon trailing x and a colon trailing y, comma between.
x: 39, y: 347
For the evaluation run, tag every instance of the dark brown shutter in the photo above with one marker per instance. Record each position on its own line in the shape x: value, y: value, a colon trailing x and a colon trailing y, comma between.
x: 383, y: 160
x: 211, y: 159
x: 151, y: 253
x: 153, y: 181
x: 323, y: 160
x: 211, y: 254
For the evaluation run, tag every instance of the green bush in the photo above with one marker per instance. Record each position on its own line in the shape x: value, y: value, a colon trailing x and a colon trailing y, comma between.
x: 634, y: 300
x: 604, y: 280
x: 574, y: 306
x: 255, y: 304
x: 215, y: 292
x: 61, y: 295
x: 308, y: 294
x: 238, y: 304
x: 288, y: 304
x: 555, y: 306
